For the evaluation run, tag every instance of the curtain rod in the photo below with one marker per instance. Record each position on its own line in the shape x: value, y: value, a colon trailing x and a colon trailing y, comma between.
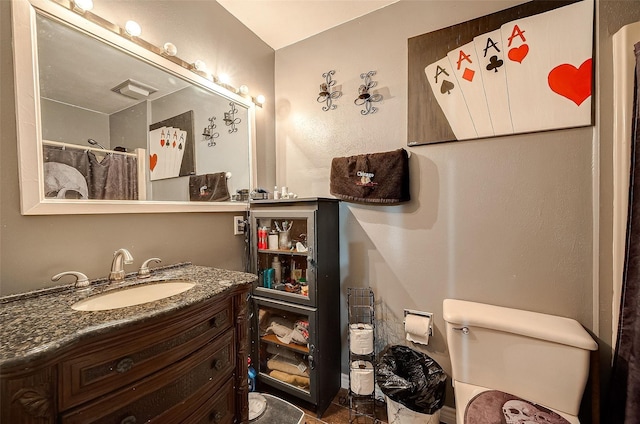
x: 77, y: 146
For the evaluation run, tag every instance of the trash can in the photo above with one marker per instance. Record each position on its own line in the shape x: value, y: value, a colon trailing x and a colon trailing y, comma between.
x: 414, y: 385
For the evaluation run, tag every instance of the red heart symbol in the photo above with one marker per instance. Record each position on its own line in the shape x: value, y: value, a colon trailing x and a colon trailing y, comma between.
x: 571, y: 82
x: 517, y: 54
x: 162, y: 142
x: 153, y: 161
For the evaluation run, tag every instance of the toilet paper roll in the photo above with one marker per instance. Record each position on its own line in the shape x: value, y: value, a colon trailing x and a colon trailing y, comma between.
x: 417, y: 328
x: 362, y: 378
x: 361, y: 339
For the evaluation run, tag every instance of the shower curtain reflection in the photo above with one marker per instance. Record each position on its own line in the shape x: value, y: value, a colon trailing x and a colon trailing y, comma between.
x: 77, y: 173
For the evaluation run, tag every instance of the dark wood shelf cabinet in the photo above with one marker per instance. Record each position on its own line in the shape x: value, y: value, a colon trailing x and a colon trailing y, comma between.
x: 296, y: 332
x: 185, y: 366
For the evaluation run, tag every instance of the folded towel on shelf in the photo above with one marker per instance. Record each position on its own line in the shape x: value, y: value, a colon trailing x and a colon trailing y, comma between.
x: 379, y: 178
x: 288, y: 366
x: 209, y: 187
x: 283, y: 352
x: 286, y: 331
x: 296, y: 380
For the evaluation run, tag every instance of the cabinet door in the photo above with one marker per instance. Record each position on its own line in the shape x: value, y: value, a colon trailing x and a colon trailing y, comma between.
x: 283, y: 247
x: 286, y: 347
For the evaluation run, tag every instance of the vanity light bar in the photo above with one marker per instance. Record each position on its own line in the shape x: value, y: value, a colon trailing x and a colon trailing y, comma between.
x: 167, y: 53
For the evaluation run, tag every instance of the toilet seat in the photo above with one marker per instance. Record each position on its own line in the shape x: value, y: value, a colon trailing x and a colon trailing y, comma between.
x: 471, y: 399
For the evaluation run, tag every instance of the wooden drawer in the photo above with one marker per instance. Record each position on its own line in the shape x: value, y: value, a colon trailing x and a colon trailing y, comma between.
x: 218, y: 409
x: 167, y: 396
x: 123, y: 357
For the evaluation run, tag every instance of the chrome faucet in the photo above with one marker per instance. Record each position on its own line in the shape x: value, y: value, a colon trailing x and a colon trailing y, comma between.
x: 120, y: 257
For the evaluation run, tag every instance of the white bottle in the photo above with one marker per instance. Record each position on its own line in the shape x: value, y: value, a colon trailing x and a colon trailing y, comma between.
x: 276, y: 193
x: 277, y: 270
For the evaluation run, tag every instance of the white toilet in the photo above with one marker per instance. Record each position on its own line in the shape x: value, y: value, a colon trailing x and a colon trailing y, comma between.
x: 523, y: 366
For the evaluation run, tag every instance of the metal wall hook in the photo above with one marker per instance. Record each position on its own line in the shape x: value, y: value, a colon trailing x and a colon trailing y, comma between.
x: 230, y: 119
x: 327, y: 95
x: 365, y: 98
x: 209, y: 134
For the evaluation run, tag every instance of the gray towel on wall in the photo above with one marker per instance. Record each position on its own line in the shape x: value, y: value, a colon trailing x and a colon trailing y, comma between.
x: 209, y: 187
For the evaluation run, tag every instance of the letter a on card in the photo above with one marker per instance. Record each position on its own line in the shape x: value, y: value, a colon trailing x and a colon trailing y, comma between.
x: 446, y: 90
x: 548, y: 68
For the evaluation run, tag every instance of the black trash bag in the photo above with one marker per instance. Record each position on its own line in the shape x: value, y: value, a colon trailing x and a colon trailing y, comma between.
x: 412, y: 379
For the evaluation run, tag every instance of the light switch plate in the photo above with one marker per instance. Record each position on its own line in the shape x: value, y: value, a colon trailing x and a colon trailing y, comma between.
x: 238, y: 225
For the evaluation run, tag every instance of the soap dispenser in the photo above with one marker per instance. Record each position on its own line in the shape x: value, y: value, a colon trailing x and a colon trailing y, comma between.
x: 277, y: 270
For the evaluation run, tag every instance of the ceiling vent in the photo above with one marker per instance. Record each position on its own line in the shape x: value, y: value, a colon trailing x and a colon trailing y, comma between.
x: 134, y: 89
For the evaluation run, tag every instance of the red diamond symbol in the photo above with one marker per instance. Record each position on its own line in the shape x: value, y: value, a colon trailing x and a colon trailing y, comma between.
x: 468, y: 74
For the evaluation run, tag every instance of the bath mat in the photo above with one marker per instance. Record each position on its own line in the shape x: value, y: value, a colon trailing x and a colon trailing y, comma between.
x: 279, y: 411
x: 494, y: 406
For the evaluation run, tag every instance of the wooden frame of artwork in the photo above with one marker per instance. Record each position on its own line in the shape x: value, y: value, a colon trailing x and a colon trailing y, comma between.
x: 524, y: 69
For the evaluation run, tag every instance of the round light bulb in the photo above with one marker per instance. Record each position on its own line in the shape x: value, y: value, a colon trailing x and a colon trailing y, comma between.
x: 84, y: 5
x: 224, y: 78
x: 260, y: 99
x: 200, y: 65
x: 244, y: 90
x: 170, y: 49
x: 132, y: 28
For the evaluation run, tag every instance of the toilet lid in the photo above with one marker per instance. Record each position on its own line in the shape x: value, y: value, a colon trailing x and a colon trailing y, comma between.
x: 494, y: 406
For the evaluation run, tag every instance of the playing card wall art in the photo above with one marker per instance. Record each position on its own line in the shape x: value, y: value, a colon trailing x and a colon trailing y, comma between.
x: 171, y: 147
x: 524, y: 69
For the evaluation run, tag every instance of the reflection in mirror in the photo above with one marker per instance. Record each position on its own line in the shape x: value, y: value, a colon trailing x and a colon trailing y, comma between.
x: 117, y: 132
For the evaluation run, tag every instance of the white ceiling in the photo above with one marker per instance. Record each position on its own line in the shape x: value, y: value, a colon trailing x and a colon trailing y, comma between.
x: 280, y: 23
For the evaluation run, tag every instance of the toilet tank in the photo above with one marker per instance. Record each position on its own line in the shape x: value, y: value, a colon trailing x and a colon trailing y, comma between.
x: 541, y: 358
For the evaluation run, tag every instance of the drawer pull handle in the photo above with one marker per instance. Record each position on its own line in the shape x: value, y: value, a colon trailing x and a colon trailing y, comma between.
x: 124, y: 365
x: 129, y: 420
x: 215, y: 322
x: 216, y: 416
x: 218, y: 364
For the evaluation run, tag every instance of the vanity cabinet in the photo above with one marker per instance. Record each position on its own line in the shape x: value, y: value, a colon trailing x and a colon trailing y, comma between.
x: 186, y: 366
x: 296, y: 300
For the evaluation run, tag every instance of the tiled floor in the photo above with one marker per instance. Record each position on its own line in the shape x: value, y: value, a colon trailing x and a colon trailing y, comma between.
x: 338, y: 412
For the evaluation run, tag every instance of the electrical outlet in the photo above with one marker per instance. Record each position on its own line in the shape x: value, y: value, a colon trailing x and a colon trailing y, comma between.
x: 238, y: 225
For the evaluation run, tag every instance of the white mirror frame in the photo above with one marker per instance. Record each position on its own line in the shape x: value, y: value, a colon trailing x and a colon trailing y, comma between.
x: 29, y: 134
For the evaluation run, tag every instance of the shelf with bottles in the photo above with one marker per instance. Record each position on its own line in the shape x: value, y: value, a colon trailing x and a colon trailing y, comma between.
x: 282, y: 234
x: 284, y: 347
x: 283, y: 273
x: 284, y: 252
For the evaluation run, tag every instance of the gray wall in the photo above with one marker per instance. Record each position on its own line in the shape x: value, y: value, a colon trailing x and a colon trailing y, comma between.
x: 521, y: 221
x: 87, y: 124
x: 33, y: 248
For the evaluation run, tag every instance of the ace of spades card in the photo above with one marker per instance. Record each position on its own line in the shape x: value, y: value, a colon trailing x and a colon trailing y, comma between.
x: 446, y: 89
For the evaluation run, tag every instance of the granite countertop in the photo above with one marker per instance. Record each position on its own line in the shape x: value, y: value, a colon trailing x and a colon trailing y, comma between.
x: 35, y: 324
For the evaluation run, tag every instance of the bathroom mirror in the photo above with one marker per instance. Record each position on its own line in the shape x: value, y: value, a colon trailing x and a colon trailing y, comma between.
x: 163, y: 135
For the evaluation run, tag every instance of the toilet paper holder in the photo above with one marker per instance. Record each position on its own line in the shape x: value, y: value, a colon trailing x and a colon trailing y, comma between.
x: 421, y: 313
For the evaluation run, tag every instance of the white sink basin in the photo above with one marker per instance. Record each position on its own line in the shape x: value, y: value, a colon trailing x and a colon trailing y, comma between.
x: 131, y: 296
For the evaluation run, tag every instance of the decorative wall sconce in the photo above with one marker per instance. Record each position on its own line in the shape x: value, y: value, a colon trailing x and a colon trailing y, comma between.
x: 364, y: 97
x: 230, y: 119
x: 209, y: 134
x: 325, y: 95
